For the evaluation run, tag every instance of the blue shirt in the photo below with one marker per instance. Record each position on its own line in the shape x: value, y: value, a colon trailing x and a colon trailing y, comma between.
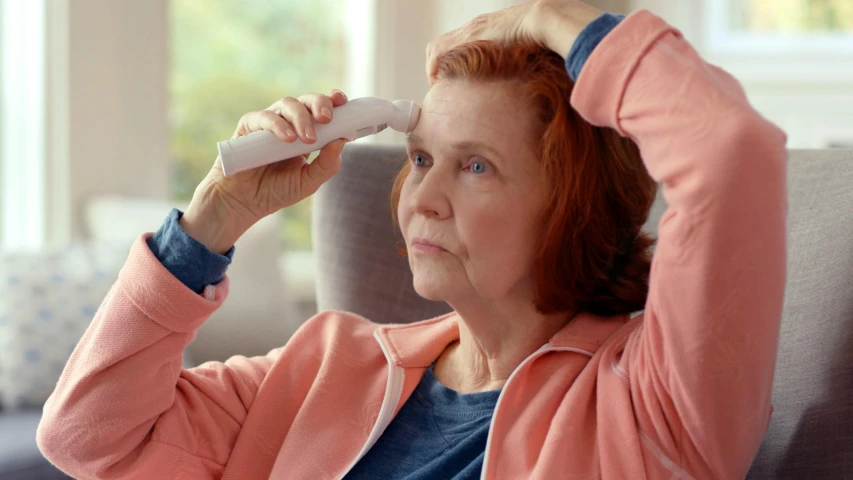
x: 185, y: 257
x: 438, y: 433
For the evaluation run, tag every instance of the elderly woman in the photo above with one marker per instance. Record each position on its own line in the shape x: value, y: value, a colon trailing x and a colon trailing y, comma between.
x: 530, y: 173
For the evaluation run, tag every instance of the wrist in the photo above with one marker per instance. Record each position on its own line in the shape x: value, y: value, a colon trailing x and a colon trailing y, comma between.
x: 211, y: 225
x: 560, y: 22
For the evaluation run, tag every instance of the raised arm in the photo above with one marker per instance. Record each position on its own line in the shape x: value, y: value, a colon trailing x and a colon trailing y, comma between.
x: 124, y: 407
x: 701, y: 364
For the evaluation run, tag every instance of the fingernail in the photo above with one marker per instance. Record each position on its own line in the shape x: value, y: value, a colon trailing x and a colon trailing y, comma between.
x: 342, y: 93
x: 309, y: 132
x: 326, y: 112
x: 289, y: 133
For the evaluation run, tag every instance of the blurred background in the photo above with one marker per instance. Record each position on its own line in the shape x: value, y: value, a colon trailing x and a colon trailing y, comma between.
x: 110, y: 111
x: 129, y: 98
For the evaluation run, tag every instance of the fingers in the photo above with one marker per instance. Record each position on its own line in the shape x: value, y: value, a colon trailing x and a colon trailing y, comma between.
x: 503, y: 25
x: 321, y: 105
x: 302, y: 112
x: 295, y: 112
x: 439, y: 46
x: 289, y: 117
x: 429, y: 61
x: 327, y: 163
x: 266, y: 120
x: 435, y: 48
x: 338, y: 97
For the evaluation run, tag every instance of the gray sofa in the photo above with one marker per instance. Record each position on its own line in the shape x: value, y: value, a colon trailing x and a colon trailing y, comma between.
x: 811, y: 431
x: 20, y: 458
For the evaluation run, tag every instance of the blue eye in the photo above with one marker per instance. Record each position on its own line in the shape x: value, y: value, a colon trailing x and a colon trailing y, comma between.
x: 419, y: 160
x: 478, y: 166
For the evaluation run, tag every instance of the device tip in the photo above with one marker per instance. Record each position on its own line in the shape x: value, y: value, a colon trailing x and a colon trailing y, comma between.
x: 412, y: 112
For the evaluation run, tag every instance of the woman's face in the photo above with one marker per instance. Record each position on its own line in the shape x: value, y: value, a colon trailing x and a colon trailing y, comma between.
x: 475, y: 190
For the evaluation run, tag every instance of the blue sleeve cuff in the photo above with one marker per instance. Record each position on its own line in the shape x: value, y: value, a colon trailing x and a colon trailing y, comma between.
x: 185, y: 257
x: 588, y: 39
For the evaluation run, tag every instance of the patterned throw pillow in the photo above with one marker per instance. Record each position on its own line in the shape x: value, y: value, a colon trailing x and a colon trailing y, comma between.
x: 47, y: 300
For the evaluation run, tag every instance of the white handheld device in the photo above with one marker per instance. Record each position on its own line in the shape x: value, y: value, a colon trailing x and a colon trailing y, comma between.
x: 357, y: 118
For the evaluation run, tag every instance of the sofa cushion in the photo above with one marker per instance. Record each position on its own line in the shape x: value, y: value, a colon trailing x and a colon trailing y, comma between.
x: 47, y: 301
x: 20, y: 458
x: 258, y: 315
x: 811, y: 430
x: 355, y: 242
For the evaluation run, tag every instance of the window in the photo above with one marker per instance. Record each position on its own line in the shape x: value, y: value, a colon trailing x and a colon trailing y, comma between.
x: 229, y: 59
x: 789, y: 16
x: 22, y: 124
x: 780, y: 26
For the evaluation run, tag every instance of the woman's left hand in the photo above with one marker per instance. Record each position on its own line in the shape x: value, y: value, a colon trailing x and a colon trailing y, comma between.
x: 554, y: 24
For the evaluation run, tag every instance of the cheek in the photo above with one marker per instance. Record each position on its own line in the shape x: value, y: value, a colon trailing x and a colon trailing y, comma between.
x: 487, y: 230
x: 404, y: 213
x: 500, y: 234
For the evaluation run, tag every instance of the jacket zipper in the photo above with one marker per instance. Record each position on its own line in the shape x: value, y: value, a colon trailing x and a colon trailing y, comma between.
x: 393, y: 392
x: 542, y: 350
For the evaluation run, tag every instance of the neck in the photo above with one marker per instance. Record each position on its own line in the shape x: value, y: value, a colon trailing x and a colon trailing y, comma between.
x: 492, y: 345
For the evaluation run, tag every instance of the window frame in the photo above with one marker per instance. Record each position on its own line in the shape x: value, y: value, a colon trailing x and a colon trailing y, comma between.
x: 22, y: 124
x: 35, y: 207
x: 757, y: 63
x: 719, y: 38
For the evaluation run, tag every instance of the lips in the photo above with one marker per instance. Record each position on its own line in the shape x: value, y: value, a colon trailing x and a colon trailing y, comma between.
x: 425, y: 242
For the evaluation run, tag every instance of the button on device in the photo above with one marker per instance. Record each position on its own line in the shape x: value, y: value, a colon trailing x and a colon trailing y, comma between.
x: 363, y: 132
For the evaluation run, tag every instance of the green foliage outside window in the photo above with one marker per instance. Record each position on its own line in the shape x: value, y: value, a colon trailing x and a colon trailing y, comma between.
x: 230, y: 57
x: 791, y: 16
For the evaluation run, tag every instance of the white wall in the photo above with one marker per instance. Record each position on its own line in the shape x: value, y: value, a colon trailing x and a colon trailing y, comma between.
x: 809, y: 96
x: 452, y: 14
x: 114, y: 57
x: 117, y: 63
x: 110, y: 59
x: 401, y: 44
x: 400, y: 54
x: 117, y: 69
x: 411, y: 25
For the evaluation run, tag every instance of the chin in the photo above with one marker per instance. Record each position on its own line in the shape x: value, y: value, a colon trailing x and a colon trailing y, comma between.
x: 429, y: 291
x: 432, y: 287
x: 436, y: 282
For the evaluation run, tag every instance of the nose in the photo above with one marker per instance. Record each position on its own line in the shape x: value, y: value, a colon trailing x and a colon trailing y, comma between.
x: 429, y: 197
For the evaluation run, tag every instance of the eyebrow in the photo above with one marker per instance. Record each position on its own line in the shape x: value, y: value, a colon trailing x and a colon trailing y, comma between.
x: 411, y: 139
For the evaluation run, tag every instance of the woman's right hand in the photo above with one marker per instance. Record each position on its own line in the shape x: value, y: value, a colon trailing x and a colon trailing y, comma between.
x: 223, y: 208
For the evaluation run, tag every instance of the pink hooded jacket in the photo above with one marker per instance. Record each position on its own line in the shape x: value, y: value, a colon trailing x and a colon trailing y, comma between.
x: 681, y: 391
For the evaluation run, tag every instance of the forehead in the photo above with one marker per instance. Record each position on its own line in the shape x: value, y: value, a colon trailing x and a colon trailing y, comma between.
x: 459, y: 111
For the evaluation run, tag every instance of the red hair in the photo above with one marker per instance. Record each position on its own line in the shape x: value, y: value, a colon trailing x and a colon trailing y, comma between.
x: 592, y: 254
